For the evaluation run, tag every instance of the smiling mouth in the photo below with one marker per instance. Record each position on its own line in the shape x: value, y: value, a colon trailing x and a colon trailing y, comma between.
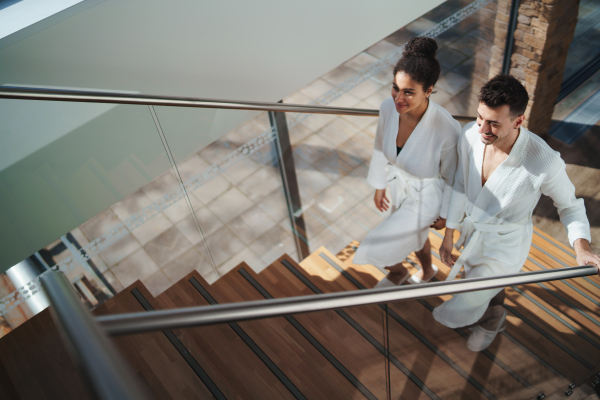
x: 488, y: 135
x: 400, y: 105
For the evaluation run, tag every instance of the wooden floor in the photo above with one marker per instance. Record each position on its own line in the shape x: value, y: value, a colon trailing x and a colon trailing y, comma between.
x: 552, y: 340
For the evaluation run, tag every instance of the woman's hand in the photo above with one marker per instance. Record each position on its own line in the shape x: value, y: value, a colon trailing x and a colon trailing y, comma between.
x: 381, y: 201
x: 446, y: 248
x: 439, y: 223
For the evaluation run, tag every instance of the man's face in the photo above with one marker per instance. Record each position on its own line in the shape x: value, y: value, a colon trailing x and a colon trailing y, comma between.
x: 495, y: 124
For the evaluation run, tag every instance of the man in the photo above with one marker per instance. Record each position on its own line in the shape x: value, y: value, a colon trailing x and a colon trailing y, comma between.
x: 503, y: 170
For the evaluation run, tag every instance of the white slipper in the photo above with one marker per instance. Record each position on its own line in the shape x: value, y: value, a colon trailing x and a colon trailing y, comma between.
x: 385, y: 282
x: 413, y: 280
x: 480, y: 338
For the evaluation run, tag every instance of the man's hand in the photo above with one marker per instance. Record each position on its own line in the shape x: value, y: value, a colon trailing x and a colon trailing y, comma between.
x: 446, y: 247
x: 584, y: 253
x: 381, y: 201
x: 440, y: 223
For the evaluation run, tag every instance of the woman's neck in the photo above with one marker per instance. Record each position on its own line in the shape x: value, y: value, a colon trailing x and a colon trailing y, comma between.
x: 418, y: 112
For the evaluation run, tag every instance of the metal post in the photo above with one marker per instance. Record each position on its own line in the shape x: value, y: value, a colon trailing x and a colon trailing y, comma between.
x: 287, y: 168
x: 510, y: 36
x: 101, y: 364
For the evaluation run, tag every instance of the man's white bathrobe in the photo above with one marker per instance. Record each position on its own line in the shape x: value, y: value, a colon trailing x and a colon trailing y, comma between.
x: 420, y: 180
x: 495, y: 220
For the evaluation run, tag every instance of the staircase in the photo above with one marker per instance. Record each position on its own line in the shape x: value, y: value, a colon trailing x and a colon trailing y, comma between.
x: 552, y: 340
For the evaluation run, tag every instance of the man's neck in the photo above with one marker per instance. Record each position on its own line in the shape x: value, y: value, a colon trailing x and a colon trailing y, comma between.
x: 505, y: 146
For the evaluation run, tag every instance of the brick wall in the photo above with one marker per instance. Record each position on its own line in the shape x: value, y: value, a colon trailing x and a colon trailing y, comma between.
x: 487, y: 62
x: 542, y: 37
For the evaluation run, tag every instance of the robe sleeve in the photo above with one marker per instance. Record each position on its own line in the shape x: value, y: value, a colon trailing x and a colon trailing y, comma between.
x: 458, y: 199
x: 377, y: 177
x: 448, y: 163
x: 571, y: 210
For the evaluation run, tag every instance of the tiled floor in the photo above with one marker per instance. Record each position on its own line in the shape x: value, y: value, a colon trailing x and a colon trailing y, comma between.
x: 583, y: 167
x: 242, y: 211
x: 581, y: 157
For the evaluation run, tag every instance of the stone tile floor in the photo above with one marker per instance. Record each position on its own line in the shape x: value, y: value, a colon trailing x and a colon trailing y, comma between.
x: 243, y: 213
x: 582, y: 156
x: 583, y: 167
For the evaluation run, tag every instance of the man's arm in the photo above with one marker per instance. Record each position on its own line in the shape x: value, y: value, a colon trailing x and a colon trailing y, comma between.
x: 571, y: 211
x: 584, y: 253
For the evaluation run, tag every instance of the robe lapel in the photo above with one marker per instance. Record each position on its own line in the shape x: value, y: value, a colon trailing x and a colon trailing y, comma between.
x: 487, y: 203
x: 392, y: 152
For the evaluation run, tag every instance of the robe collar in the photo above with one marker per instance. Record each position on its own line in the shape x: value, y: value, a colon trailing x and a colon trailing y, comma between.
x: 493, y: 190
x: 390, y: 146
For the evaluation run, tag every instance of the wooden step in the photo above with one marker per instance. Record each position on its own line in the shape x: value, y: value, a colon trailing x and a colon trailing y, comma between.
x: 446, y: 347
x: 232, y: 365
x: 414, y: 360
x: 570, y: 336
x: 35, y: 364
x: 353, y: 350
x: 154, y: 359
x: 525, y: 362
x: 289, y: 349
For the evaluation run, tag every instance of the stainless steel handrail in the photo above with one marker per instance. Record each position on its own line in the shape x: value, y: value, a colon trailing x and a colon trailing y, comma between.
x: 102, y: 365
x: 120, y: 98
x: 217, y: 314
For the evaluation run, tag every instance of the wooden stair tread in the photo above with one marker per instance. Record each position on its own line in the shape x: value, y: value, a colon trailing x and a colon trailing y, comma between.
x: 35, y: 364
x: 151, y: 355
x: 505, y: 350
x: 308, y: 369
x: 231, y: 364
x: 544, y: 319
x: 556, y: 243
x: 420, y: 359
x: 544, y: 348
x: 585, y: 285
x: 347, y: 345
x: 449, y: 342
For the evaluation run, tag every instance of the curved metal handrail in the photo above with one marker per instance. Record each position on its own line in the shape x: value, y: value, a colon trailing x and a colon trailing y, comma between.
x: 100, y: 361
x: 173, y: 101
x: 233, y: 312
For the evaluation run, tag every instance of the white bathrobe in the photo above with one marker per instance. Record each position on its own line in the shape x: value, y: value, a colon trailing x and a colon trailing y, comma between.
x: 495, y: 220
x: 420, y: 180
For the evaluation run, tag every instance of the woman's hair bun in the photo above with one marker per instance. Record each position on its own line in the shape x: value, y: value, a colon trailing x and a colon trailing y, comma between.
x: 420, y: 47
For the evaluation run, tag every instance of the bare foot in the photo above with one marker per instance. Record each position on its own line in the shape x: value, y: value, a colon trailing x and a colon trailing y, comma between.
x: 397, y: 273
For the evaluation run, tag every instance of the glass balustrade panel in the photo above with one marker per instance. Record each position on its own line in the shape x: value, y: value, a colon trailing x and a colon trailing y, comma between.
x: 81, y: 183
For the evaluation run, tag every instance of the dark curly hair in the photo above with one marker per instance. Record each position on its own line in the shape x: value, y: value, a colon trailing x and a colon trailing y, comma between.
x: 504, y: 90
x: 418, y: 61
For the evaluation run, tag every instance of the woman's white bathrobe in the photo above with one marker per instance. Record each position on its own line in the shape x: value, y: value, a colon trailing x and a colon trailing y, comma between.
x: 420, y: 180
x: 495, y: 220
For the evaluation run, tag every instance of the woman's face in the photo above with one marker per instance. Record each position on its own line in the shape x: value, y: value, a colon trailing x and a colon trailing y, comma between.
x: 408, y: 94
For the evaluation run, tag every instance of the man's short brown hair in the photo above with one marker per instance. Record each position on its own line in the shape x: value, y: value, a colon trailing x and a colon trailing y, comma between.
x: 505, y: 90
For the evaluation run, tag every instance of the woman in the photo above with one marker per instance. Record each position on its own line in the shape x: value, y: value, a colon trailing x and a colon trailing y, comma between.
x: 418, y: 139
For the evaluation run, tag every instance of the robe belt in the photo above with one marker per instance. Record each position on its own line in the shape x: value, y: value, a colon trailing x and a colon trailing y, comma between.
x: 403, y: 189
x: 471, y: 227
